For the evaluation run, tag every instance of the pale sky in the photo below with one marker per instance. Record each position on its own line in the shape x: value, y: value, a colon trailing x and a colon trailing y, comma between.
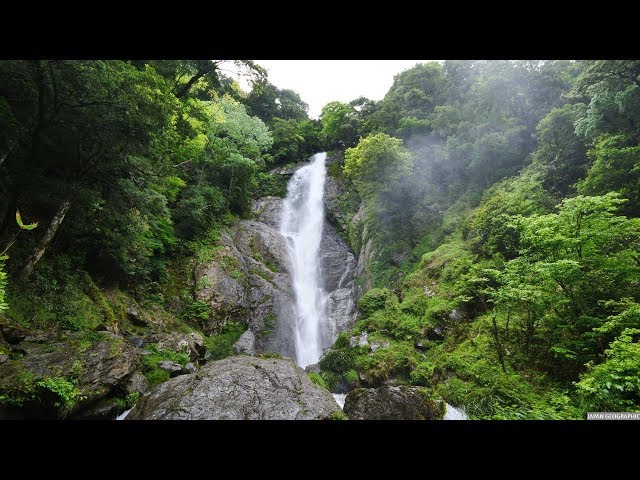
x: 321, y: 81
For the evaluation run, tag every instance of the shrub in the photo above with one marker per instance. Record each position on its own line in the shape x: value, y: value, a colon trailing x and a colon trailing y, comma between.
x: 376, y: 299
x: 221, y: 345
x: 318, y: 380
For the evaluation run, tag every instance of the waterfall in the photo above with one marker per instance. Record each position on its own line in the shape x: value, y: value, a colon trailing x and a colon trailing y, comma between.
x: 301, y: 224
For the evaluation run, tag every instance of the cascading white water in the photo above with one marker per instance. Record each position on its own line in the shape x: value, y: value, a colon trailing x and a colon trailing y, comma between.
x: 301, y: 224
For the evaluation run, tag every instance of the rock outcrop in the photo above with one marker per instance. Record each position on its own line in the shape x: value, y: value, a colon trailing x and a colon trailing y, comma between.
x: 238, y: 388
x: 248, y: 281
x: 95, y: 367
x: 392, y: 403
x: 246, y: 344
x: 189, y: 343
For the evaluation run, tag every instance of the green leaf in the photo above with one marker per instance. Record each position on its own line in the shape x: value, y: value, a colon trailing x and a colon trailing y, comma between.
x: 30, y: 226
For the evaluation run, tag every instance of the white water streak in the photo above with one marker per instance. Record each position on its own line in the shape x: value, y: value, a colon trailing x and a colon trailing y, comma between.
x: 301, y: 225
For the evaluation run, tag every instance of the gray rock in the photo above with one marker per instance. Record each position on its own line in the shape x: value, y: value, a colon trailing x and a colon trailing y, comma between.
x: 455, y: 315
x: 268, y: 210
x: 435, y: 334
x: 337, y: 262
x: 287, y: 170
x: 103, y: 409
x: 40, y: 337
x: 333, y: 189
x: 378, y: 344
x: 171, y: 367
x: 245, y: 344
x: 99, y: 369
x: 12, y: 333
x: 238, y: 388
x: 136, y: 342
x: 314, y: 368
x: 189, y: 343
x: 392, y: 403
x: 189, y: 368
x: 136, y: 382
x: 3, y: 358
x: 136, y: 316
x: 256, y: 291
x: 359, y: 340
x: 341, y: 310
x: 221, y: 283
x: 262, y: 243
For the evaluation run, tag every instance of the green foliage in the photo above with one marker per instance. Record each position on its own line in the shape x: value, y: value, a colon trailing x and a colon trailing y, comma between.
x: 337, y: 360
x: 352, y: 378
x: 150, y: 369
x: 271, y: 185
x: 341, y: 125
x: 128, y: 401
x: 338, y: 415
x: 422, y: 374
x: 616, y: 167
x: 55, y: 296
x: 221, y: 345
x: 614, y: 385
x: 491, y: 228
x: 22, y: 226
x: 377, y: 161
x: 561, y: 155
x: 196, y: 311
x: 65, y: 390
x: 317, y: 379
x: 397, y: 360
x: 376, y: 299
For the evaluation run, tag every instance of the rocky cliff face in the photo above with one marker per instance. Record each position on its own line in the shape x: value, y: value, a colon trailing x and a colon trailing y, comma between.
x: 239, y: 388
x: 247, y: 279
x: 354, y: 227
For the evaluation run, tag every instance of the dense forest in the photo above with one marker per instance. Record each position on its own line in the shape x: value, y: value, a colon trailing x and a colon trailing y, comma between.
x: 495, y: 205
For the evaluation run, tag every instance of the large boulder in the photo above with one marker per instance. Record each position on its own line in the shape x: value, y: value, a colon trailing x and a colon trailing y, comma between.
x: 238, y: 388
x: 392, y: 403
x: 96, y: 368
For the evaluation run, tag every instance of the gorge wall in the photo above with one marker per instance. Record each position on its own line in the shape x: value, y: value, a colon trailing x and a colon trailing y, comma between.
x: 247, y: 279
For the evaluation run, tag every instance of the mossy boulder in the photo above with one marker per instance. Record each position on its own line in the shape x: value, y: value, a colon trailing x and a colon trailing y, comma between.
x: 393, y: 403
x: 239, y: 388
x: 65, y: 376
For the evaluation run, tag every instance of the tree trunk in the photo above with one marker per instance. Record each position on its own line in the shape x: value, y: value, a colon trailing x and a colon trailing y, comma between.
x: 202, y: 71
x: 40, y: 250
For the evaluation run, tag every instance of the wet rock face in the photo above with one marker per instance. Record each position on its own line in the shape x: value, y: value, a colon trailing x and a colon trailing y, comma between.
x: 248, y: 281
x: 337, y: 262
x: 268, y: 210
x: 392, y: 403
x: 238, y: 388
